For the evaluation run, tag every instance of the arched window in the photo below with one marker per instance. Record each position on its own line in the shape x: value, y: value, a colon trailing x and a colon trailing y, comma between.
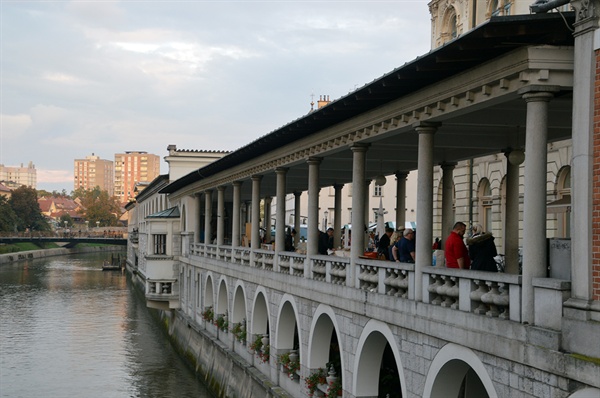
x: 449, y: 25
x: 564, y: 197
x: 485, y: 207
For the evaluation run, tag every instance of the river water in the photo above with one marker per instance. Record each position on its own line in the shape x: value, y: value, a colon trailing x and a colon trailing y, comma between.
x: 69, y: 329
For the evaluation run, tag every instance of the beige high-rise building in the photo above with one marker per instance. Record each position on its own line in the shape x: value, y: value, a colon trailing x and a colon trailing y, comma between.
x: 93, y: 172
x: 16, y: 176
x: 132, y: 167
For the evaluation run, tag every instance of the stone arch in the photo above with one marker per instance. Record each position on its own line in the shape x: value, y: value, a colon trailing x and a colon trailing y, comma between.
x: 287, y: 323
x: 222, y: 307
x: 324, y: 325
x: 260, y: 313
x: 209, y: 296
x: 369, y: 352
x: 586, y: 393
x: 449, y: 29
x: 485, y: 204
x: 238, y: 305
x: 451, y: 365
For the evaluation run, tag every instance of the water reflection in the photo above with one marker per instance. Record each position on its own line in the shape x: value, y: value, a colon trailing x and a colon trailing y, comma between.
x: 69, y: 329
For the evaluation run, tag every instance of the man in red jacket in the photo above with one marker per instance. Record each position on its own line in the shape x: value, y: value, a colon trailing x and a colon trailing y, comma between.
x: 456, y: 253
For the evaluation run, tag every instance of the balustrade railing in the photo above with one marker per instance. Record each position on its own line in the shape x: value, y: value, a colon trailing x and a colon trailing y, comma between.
x: 163, y: 287
x: 483, y: 293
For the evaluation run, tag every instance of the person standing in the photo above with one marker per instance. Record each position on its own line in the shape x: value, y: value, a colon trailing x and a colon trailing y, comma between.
x: 482, y: 250
x: 326, y: 241
x: 456, y: 253
x: 404, y: 250
x: 384, y: 243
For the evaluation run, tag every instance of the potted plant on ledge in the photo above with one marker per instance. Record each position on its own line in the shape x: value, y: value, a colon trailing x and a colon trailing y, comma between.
x: 290, y: 363
x: 239, y: 331
x: 208, y: 314
x: 314, y: 379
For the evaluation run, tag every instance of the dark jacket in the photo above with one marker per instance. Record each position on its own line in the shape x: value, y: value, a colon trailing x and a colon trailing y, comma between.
x: 384, y: 245
x: 482, y: 251
x: 325, y: 242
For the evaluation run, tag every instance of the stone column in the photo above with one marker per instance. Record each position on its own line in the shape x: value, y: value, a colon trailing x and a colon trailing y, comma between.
x: 237, y: 209
x: 197, y: 215
x: 281, y: 173
x: 297, y: 196
x: 267, y: 221
x: 426, y: 132
x: 207, y: 216
x: 337, y: 215
x: 585, y: 269
x: 534, y: 207
x: 312, y: 246
x: 447, y: 200
x: 357, y: 247
x: 255, y: 232
x: 401, y: 198
x: 220, y: 215
x: 511, y: 226
x: 367, y: 208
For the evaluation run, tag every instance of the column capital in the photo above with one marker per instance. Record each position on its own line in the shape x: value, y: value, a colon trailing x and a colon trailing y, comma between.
x: 237, y: 183
x: 297, y: 193
x: 448, y: 165
x: 268, y: 199
x: 221, y: 188
x: 401, y: 174
x: 426, y: 127
x: 281, y: 170
x: 257, y: 177
x: 360, y: 147
x: 314, y: 160
x: 587, y: 14
x: 338, y: 186
x: 208, y: 191
x: 537, y: 92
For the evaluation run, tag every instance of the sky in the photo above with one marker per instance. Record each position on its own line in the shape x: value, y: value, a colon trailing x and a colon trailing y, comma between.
x: 105, y: 77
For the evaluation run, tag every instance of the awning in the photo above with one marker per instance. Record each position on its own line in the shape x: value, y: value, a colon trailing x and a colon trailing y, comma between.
x: 562, y: 205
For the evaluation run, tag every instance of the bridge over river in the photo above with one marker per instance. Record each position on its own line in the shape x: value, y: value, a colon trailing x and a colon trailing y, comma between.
x: 69, y: 241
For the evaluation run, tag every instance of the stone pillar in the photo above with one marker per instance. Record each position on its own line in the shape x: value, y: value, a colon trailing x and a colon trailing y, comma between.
x: 207, y: 216
x: 585, y: 267
x: 401, y: 198
x: 447, y: 200
x: 237, y: 209
x: 267, y: 221
x: 312, y: 246
x: 297, y: 196
x: 337, y: 215
x: 220, y: 215
x: 357, y: 247
x: 511, y: 226
x: 426, y: 132
x: 280, y: 212
x: 197, y: 215
x: 367, y: 208
x: 255, y: 232
x: 534, y: 207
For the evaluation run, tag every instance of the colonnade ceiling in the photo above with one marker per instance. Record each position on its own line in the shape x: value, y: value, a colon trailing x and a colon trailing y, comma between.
x: 478, y: 111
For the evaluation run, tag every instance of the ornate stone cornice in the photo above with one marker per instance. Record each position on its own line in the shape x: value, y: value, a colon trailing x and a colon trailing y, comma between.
x: 587, y: 13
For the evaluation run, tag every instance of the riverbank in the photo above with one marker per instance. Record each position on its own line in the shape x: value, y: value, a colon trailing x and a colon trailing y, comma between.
x: 225, y: 373
x: 41, y: 253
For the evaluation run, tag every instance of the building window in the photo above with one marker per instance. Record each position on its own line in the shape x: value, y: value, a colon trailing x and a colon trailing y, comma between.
x: 378, y: 190
x: 160, y: 244
x: 485, y: 198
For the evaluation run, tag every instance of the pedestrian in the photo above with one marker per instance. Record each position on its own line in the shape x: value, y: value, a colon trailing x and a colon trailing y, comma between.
x: 482, y: 250
x: 456, y: 253
x: 384, y: 243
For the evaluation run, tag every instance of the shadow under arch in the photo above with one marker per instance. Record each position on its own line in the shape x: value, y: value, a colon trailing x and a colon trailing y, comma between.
x: 457, y: 368
x: 373, y: 340
x: 238, y: 305
x: 260, y: 313
x: 209, y: 296
x: 287, y: 321
x: 222, y: 307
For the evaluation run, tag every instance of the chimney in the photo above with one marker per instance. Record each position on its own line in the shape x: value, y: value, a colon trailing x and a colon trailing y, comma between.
x: 323, y: 100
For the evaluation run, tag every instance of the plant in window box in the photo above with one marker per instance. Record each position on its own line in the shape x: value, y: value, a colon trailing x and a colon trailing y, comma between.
x: 264, y: 354
x: 257, y: 344
x: 208, y: 314
x: 290, y: 363
x: 335, y: 389
x: 313, y: 381
x: 221, y: 322
x: 239, y: 331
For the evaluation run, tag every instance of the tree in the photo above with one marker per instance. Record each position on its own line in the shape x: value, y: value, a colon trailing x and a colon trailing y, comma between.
x: 8, y: 218
x: 24, y: 203
x: 98, y: 206
x: 66, y: 217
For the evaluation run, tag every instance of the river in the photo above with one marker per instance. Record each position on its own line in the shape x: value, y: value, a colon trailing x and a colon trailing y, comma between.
x: 69, y: 329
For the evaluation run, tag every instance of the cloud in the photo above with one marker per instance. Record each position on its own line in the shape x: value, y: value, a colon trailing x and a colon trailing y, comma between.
x: 45, y: 176
x: 14, y: 125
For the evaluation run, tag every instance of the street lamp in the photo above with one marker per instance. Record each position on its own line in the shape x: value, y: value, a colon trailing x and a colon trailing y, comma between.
x: 87, y: 225
x: 98, y: 224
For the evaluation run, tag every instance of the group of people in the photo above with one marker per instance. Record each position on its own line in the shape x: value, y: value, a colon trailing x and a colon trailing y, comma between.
x: 478, y: 256
x: 397, y: 245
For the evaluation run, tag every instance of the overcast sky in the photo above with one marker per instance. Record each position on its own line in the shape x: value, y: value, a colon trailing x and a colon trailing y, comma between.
x: 104, y: 77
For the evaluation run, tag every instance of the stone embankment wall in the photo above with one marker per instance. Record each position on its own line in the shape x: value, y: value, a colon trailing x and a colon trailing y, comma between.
x: 224, y: 372
x: 33, y: 254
